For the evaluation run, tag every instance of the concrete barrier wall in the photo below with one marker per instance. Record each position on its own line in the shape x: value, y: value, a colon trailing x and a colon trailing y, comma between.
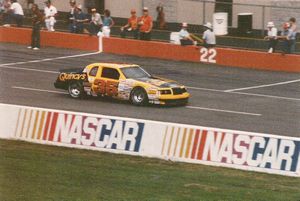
x: 169, y: 141
x: 150, y: 49
x: 221, y: 56
x: 52, y: 39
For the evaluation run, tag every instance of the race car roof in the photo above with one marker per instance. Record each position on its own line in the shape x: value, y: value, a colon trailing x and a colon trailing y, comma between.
x: 114, y: 65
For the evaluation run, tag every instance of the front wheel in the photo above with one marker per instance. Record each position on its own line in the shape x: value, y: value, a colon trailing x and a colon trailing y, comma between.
x: 75, y: 90
x: 138, y: 97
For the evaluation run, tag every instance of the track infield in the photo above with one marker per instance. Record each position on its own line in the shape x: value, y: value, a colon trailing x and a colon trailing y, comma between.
x: 38, y: 172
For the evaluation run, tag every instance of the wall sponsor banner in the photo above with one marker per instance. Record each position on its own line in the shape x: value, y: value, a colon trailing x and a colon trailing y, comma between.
x: 72, y: 129
x: 178, y: 142
x: 249, y: 151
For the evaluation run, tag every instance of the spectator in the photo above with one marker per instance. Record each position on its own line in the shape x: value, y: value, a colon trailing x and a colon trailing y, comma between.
x: 96, y: 22
x: 71, y: 14
x: 15, y: 13
x: 131, y: 26
x: 271, y: 37
x: 79, y: 19
x: 293, y: 35
x: 108, y: 22
x: 5, y: 5
x: 285, y: 37
x: 209, y: 37
x: 37, y: 19
x: 184, y: 36
x: 146, y: 24
x: 50, y: 14
x: 161, y: 23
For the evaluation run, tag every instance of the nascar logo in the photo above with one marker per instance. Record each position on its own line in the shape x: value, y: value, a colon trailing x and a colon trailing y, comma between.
x: 230, y: 148
x: 79, y: 130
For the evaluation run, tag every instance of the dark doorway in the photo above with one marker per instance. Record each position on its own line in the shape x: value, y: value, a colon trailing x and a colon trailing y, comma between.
x: 98, y: 4
x: 225, y: 6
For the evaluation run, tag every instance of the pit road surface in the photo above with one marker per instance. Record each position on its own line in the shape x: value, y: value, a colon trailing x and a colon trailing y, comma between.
x: 221, y: 97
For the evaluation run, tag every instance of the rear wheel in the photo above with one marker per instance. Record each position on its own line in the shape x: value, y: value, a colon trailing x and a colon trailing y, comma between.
x: 139, y: 96
x: 75, y: 90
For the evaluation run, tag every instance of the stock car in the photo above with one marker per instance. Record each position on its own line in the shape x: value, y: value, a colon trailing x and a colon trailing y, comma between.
x: 121, y: 81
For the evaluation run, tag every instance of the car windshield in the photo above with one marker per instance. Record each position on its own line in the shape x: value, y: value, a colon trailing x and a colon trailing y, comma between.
x: 135, y: 72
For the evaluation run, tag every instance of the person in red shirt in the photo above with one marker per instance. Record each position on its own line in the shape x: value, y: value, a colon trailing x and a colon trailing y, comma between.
x: 131, y: 26
x: 146, y: 24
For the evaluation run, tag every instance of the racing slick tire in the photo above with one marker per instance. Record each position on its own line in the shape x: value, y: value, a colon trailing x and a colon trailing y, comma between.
x: 138, y: 96
x: 75, y: 90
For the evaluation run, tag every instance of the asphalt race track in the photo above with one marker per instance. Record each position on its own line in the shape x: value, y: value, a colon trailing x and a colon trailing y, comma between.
x: 229, y: 98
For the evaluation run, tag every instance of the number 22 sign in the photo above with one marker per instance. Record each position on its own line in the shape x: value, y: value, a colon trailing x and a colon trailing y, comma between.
x: 208, y: 55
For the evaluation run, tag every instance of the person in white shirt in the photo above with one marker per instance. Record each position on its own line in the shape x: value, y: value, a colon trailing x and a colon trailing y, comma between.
x: 15, y: 13
x: 209, y: 36
x: 184, y: 36
x: 50, y: 13
x: 271, y: 37
x: 95, y: 23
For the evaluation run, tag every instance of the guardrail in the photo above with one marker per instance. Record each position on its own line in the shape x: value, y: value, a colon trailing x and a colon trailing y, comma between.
x: 222, y: 56
x: 169, y: 141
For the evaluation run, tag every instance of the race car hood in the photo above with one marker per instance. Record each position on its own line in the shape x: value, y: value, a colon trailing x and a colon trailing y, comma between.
x: 159, y: 82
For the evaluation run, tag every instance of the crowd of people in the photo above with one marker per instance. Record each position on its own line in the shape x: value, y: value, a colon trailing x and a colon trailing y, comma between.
x: 137, y: 27
x: 287, y: 37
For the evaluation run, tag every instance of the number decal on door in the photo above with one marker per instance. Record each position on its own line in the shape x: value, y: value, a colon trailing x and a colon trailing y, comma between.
x: 208, y: 55
x: 109, y: 88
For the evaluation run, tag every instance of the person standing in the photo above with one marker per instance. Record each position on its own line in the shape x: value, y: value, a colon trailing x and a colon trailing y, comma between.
x: 71, y: 14
x: 5, y: 12
x: 285, y: 37
x: 96, y: 22
x: 146, y: 24
x: 50, y: 14
x: 131, y: 26
x: 271, y: 37
x: 209, y: 37
x: 108, y: 22
x: 80, y: 18
x: 15, y: 13
x: 293, y: 28
x: 161, y: 22
x: 37, y: 19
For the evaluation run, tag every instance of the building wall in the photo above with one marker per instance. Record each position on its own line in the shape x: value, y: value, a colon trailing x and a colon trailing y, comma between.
x: 121, y: 8
x: 191, y: 11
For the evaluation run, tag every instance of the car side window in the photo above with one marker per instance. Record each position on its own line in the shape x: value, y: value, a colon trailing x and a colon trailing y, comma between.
x: 93, y: 71
x: 110, y: 73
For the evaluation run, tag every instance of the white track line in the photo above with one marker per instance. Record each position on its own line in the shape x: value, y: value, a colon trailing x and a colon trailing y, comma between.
x: 204, y: 89
x: 29, y: 69
x: 40, y: 90
x: 48, y: 59
x: 262, y: 86
x: 189, y: 107
x: 246, y: 94
x: 226, y: 111
x: 266, y: 96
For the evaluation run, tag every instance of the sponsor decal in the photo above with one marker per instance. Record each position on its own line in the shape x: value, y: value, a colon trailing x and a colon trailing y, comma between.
x: 69, y: 76
x: 79, y: 130
x: 231, y: 148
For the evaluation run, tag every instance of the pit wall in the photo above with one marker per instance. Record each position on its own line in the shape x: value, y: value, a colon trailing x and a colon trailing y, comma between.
x: 168, y: 141
x: 221, y: 56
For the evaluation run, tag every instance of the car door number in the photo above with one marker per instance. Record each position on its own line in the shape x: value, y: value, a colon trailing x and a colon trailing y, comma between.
x: 109, y: 88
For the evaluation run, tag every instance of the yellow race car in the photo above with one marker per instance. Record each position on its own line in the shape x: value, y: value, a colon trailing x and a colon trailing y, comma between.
x: 121, y: 81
